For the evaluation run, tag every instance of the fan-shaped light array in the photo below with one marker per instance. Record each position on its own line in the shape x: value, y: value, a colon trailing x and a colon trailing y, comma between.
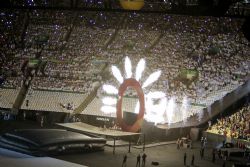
x: 154, y: 112
x: 160, y: 112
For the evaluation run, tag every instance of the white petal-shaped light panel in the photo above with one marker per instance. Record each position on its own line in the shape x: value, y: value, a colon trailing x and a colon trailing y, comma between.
x: 110, y: 89
x: 117, y: 74
x: 108, y: 109
x: 152, y: 78
x: 139, y: 69
x: 128, y: 68
x: 109, y: 101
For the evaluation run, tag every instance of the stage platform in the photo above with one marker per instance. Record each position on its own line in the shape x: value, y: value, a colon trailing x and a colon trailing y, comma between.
x: 83, y: 127
x: 125, y: 143
x: 120, y: 143
x: 154, y: 144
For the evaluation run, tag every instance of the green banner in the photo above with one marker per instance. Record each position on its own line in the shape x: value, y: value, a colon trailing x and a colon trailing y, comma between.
x: 189, y: 74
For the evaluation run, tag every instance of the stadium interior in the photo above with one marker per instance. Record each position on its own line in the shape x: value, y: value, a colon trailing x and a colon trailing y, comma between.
x: 107, y: 79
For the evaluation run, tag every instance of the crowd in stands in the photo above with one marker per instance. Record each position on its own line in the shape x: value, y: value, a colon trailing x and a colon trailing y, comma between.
x: 236, y: 125
x: 75, y: 45
x: 174, y: 52
x: 11, y: 23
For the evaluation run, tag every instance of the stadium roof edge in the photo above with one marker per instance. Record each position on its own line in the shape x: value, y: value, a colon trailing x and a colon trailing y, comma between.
x: 190, y: 12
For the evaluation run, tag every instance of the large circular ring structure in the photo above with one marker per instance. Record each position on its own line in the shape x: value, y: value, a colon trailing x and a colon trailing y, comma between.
x: 131, y: 82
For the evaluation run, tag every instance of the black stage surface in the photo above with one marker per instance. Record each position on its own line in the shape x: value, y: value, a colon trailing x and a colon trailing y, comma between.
x: 42, y: 142
x: 83, y: 127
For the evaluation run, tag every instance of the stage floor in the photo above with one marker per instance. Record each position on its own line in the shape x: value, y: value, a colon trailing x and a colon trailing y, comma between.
x: 83, y: 127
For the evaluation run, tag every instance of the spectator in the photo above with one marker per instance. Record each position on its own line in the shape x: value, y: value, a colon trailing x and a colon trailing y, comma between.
x: 124, y: 162
x: 185, y: 158
x: 144, y: 156
x: 138, y: 162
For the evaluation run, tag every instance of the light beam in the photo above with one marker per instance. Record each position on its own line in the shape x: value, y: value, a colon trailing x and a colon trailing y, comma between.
x: 109, y: 101
x: 128, y: 67
x: 152, y: 78
x: 108, y: 109
x: 170, y: 110
x: 139, y: 69
x: 117, y: 74
x: 110, y: 89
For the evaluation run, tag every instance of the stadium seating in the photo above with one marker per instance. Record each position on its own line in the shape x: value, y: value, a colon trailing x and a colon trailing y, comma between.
x: 52, y: 101
x: 7, y: 97
x: 213, y: 47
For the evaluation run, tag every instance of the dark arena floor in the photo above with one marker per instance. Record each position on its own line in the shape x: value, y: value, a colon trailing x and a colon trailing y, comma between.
x: 166, y: 155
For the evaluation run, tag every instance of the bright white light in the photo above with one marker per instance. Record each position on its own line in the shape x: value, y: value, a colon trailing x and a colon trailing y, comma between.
x: 117, y: 74
x: 200, y: 115
x: 152, y: 78
x: 162, y: 106
x: 139, y: 69
x: 184, y: 109
x: 155, y: 112
x: 150, y: 117
x: 137, y: 107
x: 128, y: 67
x: 110, y: 89
x: 109, y: 101
x: 170, y: 110
x: 108, y: 109
x: 157, y: 108
x: 156, y: 95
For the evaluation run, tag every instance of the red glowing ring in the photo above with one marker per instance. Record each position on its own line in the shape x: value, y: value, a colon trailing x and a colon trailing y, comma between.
x: 131, y: 82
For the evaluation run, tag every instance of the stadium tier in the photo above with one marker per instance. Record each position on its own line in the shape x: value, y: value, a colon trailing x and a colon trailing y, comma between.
x: 52, y: 101
x: 7, y: 97
x: 94, y: 108
x: 201, y: 58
